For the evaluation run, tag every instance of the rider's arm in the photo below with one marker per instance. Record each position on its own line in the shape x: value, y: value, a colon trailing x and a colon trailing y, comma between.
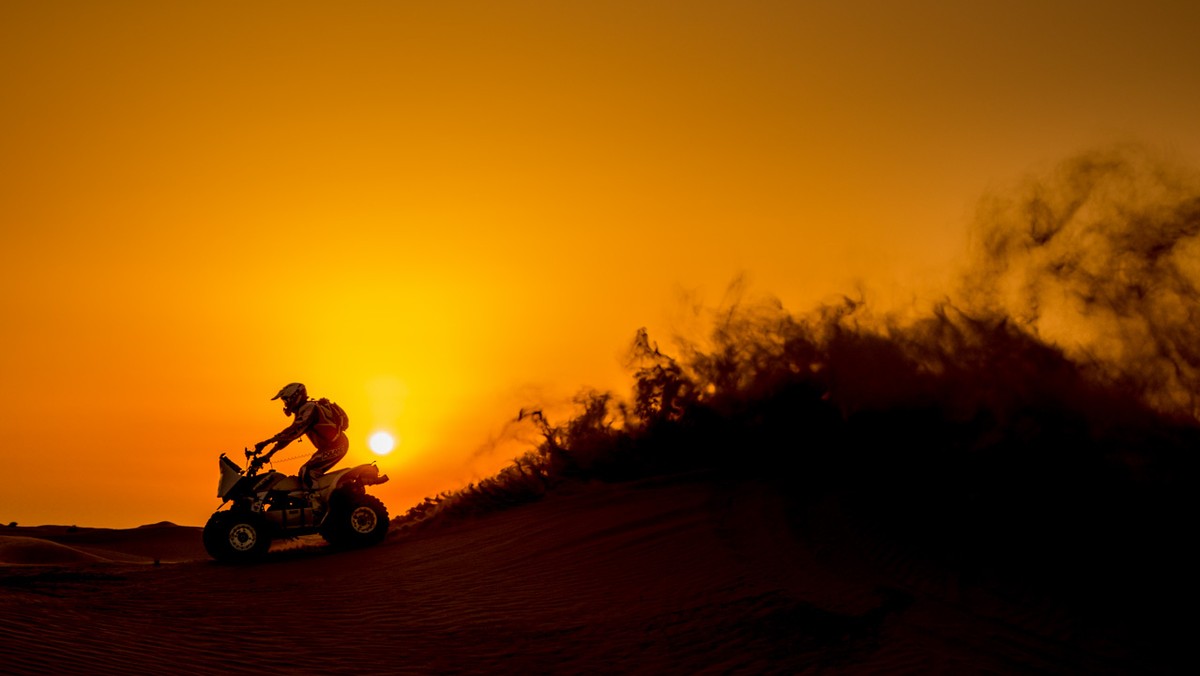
x: 304, y: 419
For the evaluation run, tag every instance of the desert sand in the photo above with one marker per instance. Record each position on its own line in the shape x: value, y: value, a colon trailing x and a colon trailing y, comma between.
x: 680, y: 576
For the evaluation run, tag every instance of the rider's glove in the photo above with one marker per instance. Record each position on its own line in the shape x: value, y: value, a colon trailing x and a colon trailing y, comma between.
x: 260, y: 445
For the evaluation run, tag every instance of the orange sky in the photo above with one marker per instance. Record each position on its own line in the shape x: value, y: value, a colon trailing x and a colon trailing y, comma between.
x: 437, y: 212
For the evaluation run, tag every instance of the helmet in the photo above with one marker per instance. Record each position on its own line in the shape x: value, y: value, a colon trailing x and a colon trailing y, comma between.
x: 292, y: 394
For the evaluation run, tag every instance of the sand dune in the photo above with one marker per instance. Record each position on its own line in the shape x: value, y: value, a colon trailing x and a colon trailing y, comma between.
x: 166, y: 543
x: 16, y: 550
x: 652, y: 578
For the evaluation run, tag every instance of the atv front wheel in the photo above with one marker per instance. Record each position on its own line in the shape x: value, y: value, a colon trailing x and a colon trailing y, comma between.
x: 355, y: 521
x: 236, y: 537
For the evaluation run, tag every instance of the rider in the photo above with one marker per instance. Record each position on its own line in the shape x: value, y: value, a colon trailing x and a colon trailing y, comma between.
x: 318, y: 421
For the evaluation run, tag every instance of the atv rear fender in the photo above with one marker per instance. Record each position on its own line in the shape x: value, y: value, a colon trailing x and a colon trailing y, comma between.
x: 367, y: 475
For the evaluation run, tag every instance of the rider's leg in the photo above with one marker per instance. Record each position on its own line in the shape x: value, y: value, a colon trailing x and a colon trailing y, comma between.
x: 321, y: 462
x: 304, y: 474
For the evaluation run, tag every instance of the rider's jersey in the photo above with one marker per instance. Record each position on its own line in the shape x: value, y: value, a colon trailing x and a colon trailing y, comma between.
x: 315, y: 422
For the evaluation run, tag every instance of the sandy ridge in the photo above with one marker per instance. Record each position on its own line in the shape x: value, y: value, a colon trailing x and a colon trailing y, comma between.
x: 668, y: 579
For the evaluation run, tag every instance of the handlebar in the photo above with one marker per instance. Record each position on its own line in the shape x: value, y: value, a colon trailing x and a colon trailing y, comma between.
x: 255, y: 462
x: 256, y: 459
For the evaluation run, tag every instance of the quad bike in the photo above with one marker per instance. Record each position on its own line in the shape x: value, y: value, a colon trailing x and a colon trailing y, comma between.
x: 274, y: 505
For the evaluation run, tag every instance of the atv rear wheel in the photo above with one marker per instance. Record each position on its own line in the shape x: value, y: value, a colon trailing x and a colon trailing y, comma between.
x: 236, y: 537
x: 355, y: 521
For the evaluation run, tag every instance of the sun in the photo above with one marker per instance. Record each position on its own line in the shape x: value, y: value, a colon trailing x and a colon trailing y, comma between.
x: 381, y: 443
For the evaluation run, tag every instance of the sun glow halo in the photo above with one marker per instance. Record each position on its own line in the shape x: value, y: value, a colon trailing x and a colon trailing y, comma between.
x: 381, y: 443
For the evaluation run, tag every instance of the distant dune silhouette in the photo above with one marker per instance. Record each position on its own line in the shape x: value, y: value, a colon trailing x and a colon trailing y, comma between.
x: 28, y: 550
x: 42, y: 545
